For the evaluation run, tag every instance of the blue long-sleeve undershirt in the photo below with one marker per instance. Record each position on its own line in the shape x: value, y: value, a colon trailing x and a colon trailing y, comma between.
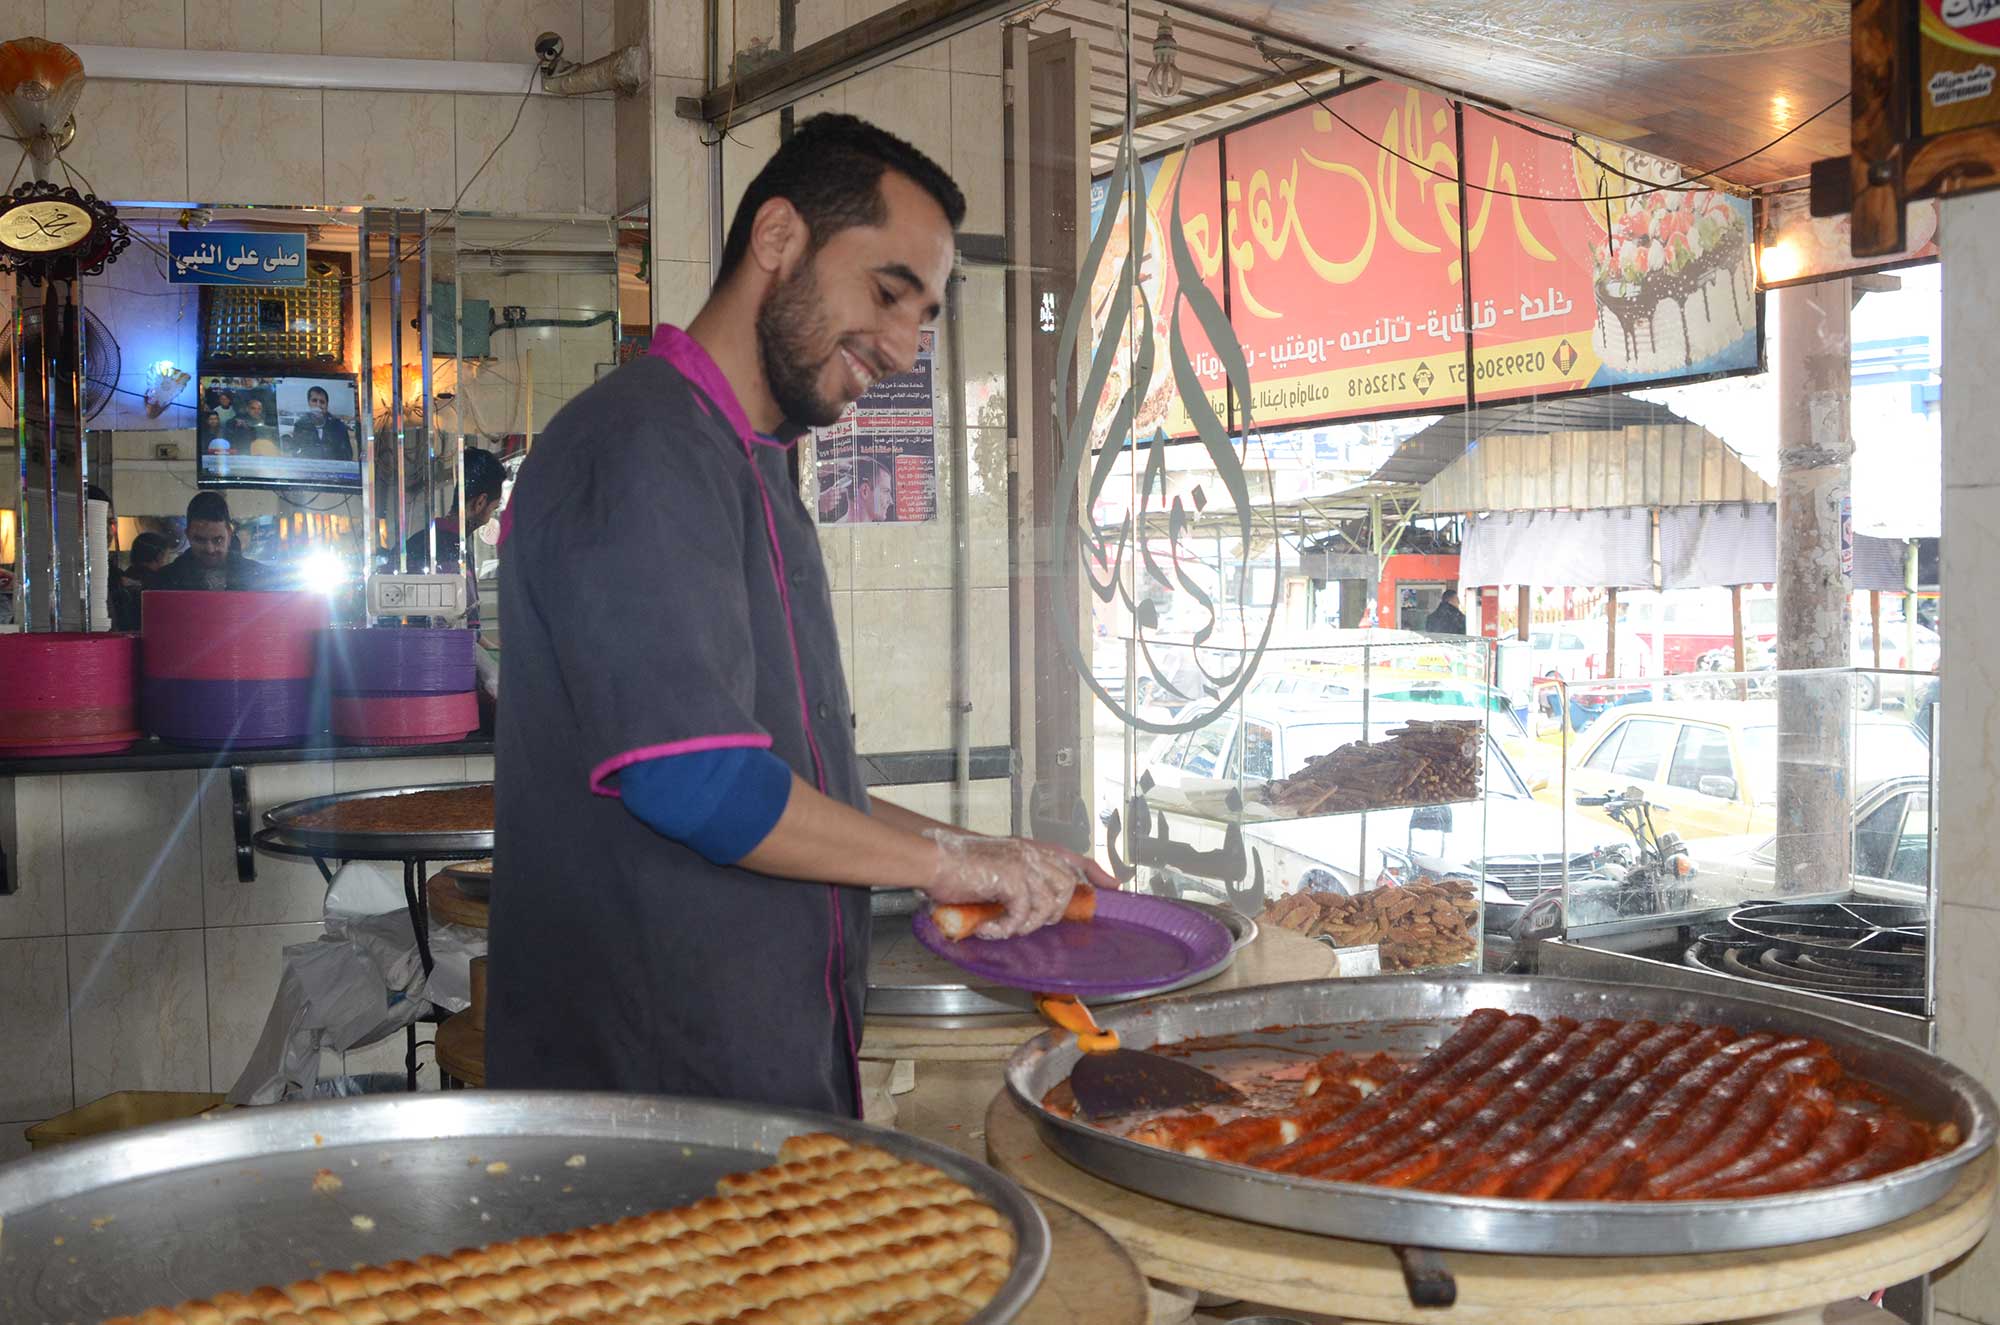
x: 718, y: 803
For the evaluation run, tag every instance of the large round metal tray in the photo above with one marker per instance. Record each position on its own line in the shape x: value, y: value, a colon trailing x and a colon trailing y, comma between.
x: 285, y: 818
x: 906, y: 979
x: 225, y: 1202
x: 1411, y: 1014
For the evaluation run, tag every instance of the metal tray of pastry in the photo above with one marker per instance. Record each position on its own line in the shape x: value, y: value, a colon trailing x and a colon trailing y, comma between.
x: 236, y: 1200
x: 906, y: 979
x: 1412, y: 1014
x: 285, y: 819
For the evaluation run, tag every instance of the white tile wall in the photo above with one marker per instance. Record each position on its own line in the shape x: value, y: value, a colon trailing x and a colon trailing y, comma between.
x: 157, y: 23
x: 256, y: 145
x: 540, y: 169
x: 131, y: 851
x: 138, y: 1012
x: 977, y: 51
x: 599, y: 29
x: 679, y: 290
x: 34, y: 1032
x: 900, y: 675
x: 505, y: 30
x: 285, y: 890
x: 136, y: 148
x: 680, y: 177
x: 413, y: 29
x: 33, y: 840
x: 360, y: 774
x: 479, y: 768
x: 390, y: 148
x: 978, y: 150
x: 253, y: 25
x: 244, y: 966
x: 600, y: 147
x: 23, y: 18
x: 912, y: 102
x: 680, y: 38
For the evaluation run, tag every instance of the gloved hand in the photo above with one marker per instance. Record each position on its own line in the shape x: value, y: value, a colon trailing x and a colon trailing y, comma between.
x: 1031, y: 880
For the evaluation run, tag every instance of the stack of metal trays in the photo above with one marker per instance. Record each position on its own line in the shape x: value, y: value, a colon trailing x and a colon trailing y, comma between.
x: 272, y: 1195
x: 906, y: 979
x: 1409, y: 1015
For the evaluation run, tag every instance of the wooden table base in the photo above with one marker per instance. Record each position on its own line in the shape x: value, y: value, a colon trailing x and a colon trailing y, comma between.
x: 1364, y: 1283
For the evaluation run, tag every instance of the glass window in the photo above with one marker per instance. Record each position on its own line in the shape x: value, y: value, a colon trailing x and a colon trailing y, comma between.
x: 1911, y: 860
x: 1257, y: 749
x: 1204, y: 753
x: 1606, y: 752
x: 1313, y: 739
x: 1701, y: 752
x: 1176, y: 751
x: 1645, y: 747
x: 1875, y: 838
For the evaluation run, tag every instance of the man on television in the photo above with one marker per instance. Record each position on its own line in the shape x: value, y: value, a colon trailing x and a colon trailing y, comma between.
x: 319, y: 434
x: 211, y: 560
x: 252, y: 432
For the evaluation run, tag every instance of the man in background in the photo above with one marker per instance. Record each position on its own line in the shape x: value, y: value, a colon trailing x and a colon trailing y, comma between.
x: 252, y: 431
x: 1445, y: 618
x: 319, y: 434
x: 212, y: 560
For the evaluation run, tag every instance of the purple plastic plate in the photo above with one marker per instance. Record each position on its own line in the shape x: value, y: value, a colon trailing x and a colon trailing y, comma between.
x: 1136, y: 942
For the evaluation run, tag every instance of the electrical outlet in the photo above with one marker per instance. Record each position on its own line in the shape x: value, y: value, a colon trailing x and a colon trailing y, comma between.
x: 416, y: 595
x: 166, y: 451
x: 513, y: 315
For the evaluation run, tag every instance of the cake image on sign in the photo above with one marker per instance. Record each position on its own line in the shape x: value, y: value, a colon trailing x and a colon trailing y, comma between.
x: 1674, y: 281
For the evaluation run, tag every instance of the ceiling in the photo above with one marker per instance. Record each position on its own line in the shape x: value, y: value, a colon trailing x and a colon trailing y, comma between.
x: 1700, y: 82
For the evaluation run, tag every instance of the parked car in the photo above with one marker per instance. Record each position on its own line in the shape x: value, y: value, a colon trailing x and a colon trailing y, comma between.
x: 1710, y: 767
x: 1512, y: 847
x: 1891, y: 848
x: 1580, y: 651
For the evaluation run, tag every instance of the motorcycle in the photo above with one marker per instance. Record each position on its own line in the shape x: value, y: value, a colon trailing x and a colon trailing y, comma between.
x: 1651, y: 876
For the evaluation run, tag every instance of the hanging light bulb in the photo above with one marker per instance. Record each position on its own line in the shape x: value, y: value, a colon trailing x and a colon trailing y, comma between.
x: 1164, y: 80
x: 40, y: 82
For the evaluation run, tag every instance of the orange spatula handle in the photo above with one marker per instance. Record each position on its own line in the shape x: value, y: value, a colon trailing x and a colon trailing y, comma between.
x: 1065, y: 1011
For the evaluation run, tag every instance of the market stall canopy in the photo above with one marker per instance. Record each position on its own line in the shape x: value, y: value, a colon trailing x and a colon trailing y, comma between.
x: 1590, y: 453
x: 1559, y: 549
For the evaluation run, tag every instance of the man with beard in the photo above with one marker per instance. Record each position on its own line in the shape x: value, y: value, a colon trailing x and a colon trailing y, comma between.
x: 682, y: 821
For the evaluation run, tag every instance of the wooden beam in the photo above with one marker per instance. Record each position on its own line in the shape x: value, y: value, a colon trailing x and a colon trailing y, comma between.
x: 889, y: 35
x: 1736, y: 626
x: 1611, y: 634
x: 1521, y: 614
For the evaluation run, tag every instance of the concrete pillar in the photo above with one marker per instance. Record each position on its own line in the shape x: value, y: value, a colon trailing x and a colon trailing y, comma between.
x: 1967, y: 871
x: 1815, y: 453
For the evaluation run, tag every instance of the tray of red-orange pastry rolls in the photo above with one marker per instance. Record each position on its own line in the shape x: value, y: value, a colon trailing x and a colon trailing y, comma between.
x: 1527, y: 1115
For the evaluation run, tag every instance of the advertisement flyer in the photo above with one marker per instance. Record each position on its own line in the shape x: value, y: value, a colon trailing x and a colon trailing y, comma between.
x: 878, y: 464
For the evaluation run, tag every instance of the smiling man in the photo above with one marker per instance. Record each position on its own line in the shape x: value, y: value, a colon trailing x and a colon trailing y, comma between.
x: 684, y: 834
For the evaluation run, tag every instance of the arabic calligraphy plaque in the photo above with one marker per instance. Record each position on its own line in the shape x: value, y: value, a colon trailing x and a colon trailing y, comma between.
x: 50, y: 231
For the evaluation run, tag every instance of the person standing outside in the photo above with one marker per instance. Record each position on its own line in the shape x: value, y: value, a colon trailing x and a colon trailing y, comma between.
x: 681, y: 815
x: 1445, y: 618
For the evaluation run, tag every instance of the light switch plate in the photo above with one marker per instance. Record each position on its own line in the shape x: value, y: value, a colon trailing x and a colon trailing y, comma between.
x: 416, y: 595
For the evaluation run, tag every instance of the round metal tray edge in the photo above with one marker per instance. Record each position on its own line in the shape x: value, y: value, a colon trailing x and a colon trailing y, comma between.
x: 282, y: 818
x: 302, y: 1134
x: 1404, y: 1005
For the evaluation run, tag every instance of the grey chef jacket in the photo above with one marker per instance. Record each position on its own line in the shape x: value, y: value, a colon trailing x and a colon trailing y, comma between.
x: 647, y: 613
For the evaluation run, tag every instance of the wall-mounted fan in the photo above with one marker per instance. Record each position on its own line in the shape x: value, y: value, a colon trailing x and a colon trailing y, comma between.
x: 101, y: 358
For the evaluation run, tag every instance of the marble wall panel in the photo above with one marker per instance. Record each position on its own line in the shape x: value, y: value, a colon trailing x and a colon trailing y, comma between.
x: 256, y: 145
x: 34, y: 1030
x: 390, y: 148
x: 132, y: 851
x: 138, y: 1012
x: 410, y: 29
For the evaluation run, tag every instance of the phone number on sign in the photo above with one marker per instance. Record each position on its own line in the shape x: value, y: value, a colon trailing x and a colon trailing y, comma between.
x: 1496, y: 366
x: 1377, y: 384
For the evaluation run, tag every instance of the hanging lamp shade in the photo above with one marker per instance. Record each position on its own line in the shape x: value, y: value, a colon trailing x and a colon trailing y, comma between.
x: 40, y: 83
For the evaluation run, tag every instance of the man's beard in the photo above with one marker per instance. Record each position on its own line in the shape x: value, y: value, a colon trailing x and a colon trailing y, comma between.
x: 790, y: 330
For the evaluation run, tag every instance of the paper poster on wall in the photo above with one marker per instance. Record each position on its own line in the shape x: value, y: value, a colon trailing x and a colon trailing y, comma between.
x: 878, y: 464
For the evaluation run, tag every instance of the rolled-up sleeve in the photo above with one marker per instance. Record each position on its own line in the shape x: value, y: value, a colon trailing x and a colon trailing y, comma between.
x: 636, y: 572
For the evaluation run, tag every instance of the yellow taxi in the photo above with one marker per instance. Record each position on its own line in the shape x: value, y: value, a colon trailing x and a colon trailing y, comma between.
x: 1709, y: 767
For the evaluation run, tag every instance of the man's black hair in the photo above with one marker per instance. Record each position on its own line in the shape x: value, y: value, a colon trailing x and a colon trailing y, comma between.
x: 149, y: 546
x: 208, y: 506
x: 484, y: 476
x: 831, y: 169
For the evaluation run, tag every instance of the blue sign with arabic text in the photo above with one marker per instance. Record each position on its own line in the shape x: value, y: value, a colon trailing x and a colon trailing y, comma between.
x: 226, y: 257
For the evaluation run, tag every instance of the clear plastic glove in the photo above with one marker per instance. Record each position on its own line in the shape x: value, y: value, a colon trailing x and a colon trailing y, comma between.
x: 1031, y: 881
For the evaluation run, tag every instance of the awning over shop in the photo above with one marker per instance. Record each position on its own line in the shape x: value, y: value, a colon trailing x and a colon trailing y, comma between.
x: 1559, y: 549
x: 1702, y: 546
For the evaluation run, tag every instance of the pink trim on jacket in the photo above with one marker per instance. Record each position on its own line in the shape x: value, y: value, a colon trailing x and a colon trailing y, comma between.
x: 693, y: 745
x: 686, y: 354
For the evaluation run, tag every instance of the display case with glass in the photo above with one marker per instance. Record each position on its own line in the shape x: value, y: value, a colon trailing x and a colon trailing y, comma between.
x: 1338, y: 789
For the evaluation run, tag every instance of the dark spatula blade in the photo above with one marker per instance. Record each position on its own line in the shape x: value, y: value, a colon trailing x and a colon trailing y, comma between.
x: 1128, y: 1081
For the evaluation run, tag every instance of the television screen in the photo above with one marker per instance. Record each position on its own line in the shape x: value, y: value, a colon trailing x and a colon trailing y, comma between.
x: 278, y: 432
